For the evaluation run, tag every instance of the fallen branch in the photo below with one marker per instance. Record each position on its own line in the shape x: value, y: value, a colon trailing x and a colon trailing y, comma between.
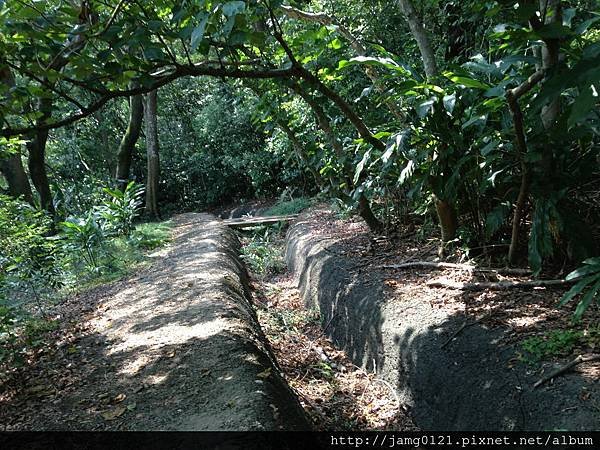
x: 497, y: 286
x: 463, y: 327
x: 580, y: 359
x: 467, y: 267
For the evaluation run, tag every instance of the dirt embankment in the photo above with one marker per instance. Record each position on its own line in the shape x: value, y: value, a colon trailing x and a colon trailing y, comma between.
x: 392, y: 323
x: 174, y: 347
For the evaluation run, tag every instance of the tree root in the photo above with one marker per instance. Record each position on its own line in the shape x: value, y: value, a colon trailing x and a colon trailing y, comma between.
x: 580, y: 359
x: 497, y: 286
x: 463, y: 327
x: 467, y: 267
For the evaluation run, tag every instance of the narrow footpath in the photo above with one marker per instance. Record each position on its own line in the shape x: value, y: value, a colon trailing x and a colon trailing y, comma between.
x: 173, y: 347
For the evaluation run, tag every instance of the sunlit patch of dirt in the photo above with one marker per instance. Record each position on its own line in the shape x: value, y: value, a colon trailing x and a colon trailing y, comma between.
x: 335, y: 393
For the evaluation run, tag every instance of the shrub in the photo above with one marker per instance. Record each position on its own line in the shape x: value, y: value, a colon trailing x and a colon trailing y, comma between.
x: 293, y: 206
x: 120, y: 209
x: 263, y: 256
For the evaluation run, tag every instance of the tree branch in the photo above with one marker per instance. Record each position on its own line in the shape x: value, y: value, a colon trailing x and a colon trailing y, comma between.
x: 497, y: 286
x: 179, y: 72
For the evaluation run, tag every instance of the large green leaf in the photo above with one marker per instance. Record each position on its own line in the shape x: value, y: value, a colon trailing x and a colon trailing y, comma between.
x: 466, y: 81
x: 198, y: 33
x: 587, y: 299
x: 361, y: 165
x: 232, y: 8
x: 584, y: 103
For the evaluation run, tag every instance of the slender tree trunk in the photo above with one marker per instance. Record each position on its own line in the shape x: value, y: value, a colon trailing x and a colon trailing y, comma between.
x: 446, y: 211
x: 130, y: 138
x: 298, y: 149
x: 16, y: 178
x: 420, y: 35
x: 448, y: 221
x: 36, y: 147
x: 512, y: 97
x: 355, y: 43
x: 344, y: 107
x: 552, y: 13
x: 365, y: 211
x: 364, y: 208
x: 152, y: 179
x: 12, y: 166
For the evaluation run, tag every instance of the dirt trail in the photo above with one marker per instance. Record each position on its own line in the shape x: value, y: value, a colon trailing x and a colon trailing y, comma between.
x: 174, y: 347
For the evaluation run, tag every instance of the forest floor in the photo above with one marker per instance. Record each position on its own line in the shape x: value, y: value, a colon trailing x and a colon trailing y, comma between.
x: 171, y: 347
x: 93, y: 374
x: 335, y: 393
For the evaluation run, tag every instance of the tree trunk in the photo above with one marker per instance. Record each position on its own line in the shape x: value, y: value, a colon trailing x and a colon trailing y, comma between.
x: 12, y: 166
x: 552, y: 13
x: 344, y: 107
x: 16, y: 178
x: 364, y: 209
x: 448, y: 221
x: 130, y: 138
x: 357, y: 46
x: 298, y: 149
x: 152, y: 179
x: 420, y: 35
x: 446, y: 211
x: 36, y: 147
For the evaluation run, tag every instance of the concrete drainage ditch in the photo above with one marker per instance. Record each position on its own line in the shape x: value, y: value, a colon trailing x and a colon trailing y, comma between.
x: 469, y: 384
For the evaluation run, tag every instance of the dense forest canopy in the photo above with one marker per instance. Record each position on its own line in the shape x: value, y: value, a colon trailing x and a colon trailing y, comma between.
x: 479, y: 116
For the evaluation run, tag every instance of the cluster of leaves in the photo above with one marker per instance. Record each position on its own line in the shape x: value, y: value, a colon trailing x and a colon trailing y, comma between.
x: 262, y: 255
x: 293, y: 206
x: 39, y: 257
x: 558, y: 343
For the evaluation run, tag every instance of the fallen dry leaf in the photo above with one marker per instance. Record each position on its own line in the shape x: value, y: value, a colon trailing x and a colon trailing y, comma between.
x: 265, y: 374
x: 114, y: 413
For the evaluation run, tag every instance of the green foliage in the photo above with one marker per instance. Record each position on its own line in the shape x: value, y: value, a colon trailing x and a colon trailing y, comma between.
x: 84, y: 236
x: 559, y: 343
x: 8, y: 321
x: 151, y: 235
x: 553, y: 344
x: 588, y: 285
x: 120, y: 209
x: 294, y: 206
x: 28, y: 254
x: 262, y: 255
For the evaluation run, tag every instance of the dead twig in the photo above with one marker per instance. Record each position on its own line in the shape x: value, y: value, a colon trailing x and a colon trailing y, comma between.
x: 580, y: 359
x: 467, y: 267
x: 497, y: 286
x: 464, y: 326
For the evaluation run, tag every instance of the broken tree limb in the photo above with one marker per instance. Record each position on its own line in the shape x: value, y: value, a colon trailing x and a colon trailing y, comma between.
x: 466, y: 267
x: 497, y: 286
x: 580, y: 359
x: 244, y: 222
x: 463, y: 327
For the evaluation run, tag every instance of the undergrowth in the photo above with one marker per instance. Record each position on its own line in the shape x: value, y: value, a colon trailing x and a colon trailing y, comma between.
x: 24, y: 317
x: 294, y: 206
x: 558, y: 343
x: 262, y: 253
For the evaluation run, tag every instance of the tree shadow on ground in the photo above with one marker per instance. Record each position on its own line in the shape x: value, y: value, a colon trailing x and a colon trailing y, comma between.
x: 473, y: 382
x: 174, y: 347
